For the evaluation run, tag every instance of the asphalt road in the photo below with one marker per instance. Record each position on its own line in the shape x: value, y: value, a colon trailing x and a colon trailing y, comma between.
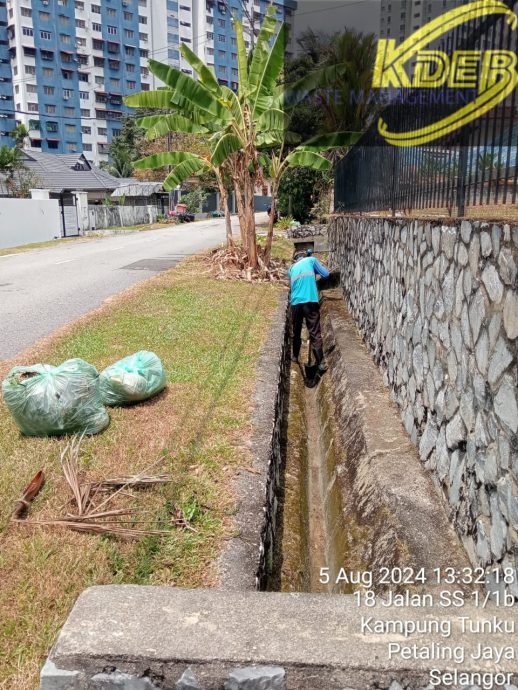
x: 43, y: 289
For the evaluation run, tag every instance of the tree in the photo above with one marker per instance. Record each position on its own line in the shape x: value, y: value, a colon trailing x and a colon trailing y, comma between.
x: 240, y: 124
x: 20, y: 135
x: 124, y: 149
x: 297, y: 190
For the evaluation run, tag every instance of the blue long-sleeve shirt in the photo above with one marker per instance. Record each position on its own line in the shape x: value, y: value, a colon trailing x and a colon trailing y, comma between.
x: 303, y: 280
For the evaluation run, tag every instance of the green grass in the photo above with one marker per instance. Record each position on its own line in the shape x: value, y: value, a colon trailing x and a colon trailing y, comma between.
x: 209, y: 335
x: 39, y: 245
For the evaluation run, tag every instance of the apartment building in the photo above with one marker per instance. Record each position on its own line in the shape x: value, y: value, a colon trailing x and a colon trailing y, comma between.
x: 66, y: 65
x: 400, y: 18
x: 206, y: 26
x: 72, y: 62
x: 7, y: 121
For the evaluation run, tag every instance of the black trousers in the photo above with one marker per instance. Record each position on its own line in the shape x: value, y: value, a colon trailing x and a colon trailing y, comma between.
x: 309, y: 312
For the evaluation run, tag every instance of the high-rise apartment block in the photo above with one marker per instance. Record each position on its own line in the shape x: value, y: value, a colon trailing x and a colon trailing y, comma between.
x: 65, y: 65
x: 400, y: 18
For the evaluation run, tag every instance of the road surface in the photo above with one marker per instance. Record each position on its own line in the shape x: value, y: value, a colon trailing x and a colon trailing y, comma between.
x: 43, y: 289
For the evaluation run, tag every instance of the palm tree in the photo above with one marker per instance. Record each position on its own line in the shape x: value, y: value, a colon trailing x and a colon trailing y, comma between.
x: 10, y: 163
x: 20, y: 135
x: 238, y: 124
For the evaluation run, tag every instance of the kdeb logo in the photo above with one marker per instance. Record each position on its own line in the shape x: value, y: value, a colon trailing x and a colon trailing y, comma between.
x: 491, y: 74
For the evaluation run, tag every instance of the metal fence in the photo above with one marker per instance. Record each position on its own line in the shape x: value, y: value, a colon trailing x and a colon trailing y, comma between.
x: 474, y: 166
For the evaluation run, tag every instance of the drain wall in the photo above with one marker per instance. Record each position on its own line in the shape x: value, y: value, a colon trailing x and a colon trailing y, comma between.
x: 438, y: 307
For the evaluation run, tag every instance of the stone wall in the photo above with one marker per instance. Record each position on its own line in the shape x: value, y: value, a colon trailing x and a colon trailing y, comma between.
x: 438, y: 307
x: 303, y: 231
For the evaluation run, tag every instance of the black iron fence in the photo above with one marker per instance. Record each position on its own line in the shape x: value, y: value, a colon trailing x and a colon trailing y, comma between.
x: 475, y: 165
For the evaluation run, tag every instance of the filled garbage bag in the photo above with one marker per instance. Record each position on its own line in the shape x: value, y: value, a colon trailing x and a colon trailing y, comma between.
x: 134, y: 378
x: 49, y: 401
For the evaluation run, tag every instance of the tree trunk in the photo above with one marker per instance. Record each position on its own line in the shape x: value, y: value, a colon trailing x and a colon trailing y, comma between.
x: 271, y: 223
x: 250, y: 220
x: 224, y: 201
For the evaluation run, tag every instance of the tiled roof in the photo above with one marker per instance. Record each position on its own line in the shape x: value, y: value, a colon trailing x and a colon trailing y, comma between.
x: 56, y: 172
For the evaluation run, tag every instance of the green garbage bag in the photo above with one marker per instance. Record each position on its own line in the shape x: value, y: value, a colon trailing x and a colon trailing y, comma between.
x: 49, y: 401
x: 137, y: 377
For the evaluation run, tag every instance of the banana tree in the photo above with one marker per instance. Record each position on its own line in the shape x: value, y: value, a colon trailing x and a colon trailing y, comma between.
x: 238, y: 125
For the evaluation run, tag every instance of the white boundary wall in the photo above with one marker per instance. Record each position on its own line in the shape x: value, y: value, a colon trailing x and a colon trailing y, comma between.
x: 23, y: 221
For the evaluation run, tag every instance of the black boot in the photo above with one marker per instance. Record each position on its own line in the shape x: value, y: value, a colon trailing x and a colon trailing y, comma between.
x: 319, y: 356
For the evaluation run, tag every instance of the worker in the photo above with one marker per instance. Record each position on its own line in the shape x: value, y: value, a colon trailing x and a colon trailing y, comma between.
x: 305, y: 305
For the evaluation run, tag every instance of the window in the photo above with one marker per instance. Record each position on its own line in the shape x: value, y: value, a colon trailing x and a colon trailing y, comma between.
x: 49, y: 90
x: 86, y: 130
x: 96, y: 26
x: 130, y: 68
x: 115, y: 81
x: 96, y: 9
x: 185, y: 23
x: 102, y: 131
x: 67, y: 93
x: 112, y: 12
x: 65, y: 38
x: 35, y: 124
x: 184, y: 7
x: 129, y: 33
x: 129, y: 50
x: 234, y: 56
x: 32, y: 107
x: 209, y: 20
x: 184, y: 39
x: 50, y: 109
x: 99, y: 62
x: 26, y: 12
x: 221, y: 22
x: 131, y: 84
x: 69, y: 112
x: 233, y: 40
x: 27, y: 31
x: 143, y: 37
x: 221, y: 53
x: 81, y: 43
x: 32, y: 88
x: 52, y: 144
x: 173, y: 55
x: 87, y: 147
x: 85, y: 112
x: 63, y: 20
x: 83, y: 95
x: 144, y: 72
x: 210, y: 36
x: 97, y: 44
x: 221, y: 38
x: 210, y: 51
x: 112, y: 30
x: 144, y: 53
x: 30, y: 69
x: 80, y: 24
x: 48, y: 72
x: 144, y: 87
x: 70, y: 129
x: 128, y: 16
x: 235, y: 73
x: 142, y: 20
x: 52, y: 126
x: 99, y: 80
x: 71, y: 147
x: 79, y: 5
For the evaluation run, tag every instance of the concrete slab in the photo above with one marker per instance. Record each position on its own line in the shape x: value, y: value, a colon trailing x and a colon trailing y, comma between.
x: 157, y: 632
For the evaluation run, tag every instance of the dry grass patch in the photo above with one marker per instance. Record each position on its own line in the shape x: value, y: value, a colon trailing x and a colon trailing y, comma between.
x: 209, y: 336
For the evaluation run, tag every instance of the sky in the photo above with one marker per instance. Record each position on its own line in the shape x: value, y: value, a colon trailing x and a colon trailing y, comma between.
x: 334, y: 15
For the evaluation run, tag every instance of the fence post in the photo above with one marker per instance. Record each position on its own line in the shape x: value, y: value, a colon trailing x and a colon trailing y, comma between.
x: 462, y: 175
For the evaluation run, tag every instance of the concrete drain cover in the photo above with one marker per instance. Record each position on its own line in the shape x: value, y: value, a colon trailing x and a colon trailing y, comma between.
x: 155, y: 265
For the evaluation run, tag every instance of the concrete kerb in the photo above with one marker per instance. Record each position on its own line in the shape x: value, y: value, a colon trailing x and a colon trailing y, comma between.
x: 146, y: 637
x: 244, y: 562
